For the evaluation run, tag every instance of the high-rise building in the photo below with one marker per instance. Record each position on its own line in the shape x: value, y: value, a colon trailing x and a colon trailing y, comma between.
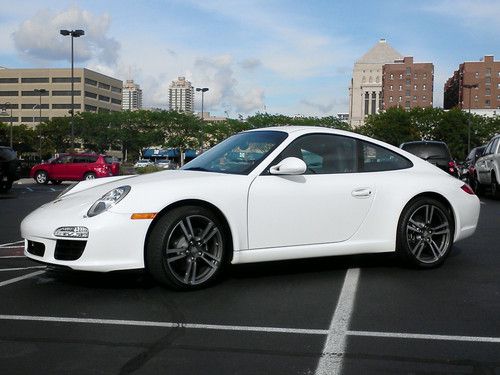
x: 93, y: 92
x: 132, y: 96
x: 365, y: 91
x: 475, y: 85
x: 181, y: 95
x: 406, y: 84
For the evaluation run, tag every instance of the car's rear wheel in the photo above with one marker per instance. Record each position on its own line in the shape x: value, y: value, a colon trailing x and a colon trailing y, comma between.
x: 495, y: 188
x: 425, y: 233
x: 187, y: 248
x: 89, y: 176
x: 41, y: 177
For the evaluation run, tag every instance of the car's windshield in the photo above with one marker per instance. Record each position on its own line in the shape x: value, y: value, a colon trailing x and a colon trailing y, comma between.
x: 239, y: 154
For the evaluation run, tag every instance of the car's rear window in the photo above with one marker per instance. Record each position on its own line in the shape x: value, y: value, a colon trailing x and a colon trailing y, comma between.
x: 6, y: 154
x: 108, y: 159
x: 428, y: 150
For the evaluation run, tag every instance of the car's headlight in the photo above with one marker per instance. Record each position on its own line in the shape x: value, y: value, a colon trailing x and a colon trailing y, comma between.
x: 108, y: 200
x: 65, y: 191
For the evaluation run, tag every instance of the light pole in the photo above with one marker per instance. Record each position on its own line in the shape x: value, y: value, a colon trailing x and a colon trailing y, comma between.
x: 73, y: 34
x: 40, y: 92
x: 470, y: 87
x: 4, y: 108
x: 203, y: 90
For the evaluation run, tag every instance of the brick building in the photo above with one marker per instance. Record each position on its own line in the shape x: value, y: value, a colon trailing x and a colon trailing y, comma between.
x: 406, y: 84
x: 484, y: 98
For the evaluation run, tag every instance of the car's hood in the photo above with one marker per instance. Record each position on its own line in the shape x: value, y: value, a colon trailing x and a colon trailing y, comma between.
x: 151, y: 192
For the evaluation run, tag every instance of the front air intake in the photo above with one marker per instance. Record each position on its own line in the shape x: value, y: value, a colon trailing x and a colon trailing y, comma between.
x: 69, y: 250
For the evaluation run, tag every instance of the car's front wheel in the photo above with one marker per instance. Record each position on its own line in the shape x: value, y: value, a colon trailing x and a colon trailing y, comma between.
x: 425, y: 233
x: 495, y: 188
x: 187, y: 248
x: 41, y: 177
x: 89, y: 176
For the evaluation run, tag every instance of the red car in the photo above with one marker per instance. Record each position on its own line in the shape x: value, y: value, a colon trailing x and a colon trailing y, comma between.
x: 74, y: 167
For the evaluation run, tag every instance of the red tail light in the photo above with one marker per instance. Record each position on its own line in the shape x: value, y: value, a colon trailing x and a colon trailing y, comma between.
x: 467, y: 189
x: 451, y: 166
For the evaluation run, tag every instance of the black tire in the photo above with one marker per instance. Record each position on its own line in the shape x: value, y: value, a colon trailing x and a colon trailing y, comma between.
x: 425, y: 233
x: 495, y: 187
x: 188, y: 248
x: 41, y: 178
x: 89, y: 176
x: 56, y: 182
x: 478, y: 188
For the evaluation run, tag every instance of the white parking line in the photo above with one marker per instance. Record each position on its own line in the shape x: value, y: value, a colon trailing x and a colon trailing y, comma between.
x: 12, y: 256
x: 330, y: 362
x: 419, y: 336
x: 21, y: 268
x: 11, y: 243
x: 16, y: 279
x: 30, y: 189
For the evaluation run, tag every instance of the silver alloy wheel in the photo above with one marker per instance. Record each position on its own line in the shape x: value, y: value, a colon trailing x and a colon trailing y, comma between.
x: 41, y: 177
x: 428, y: 233
x: 90, y: 176
x: 194, y: 250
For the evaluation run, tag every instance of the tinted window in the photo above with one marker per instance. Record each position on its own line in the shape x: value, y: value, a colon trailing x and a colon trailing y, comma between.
x: 7, y: 154
x: 377, y: 158
x: 92, y: 158
x: 64, y: 160
x: 108, y: 159
x: 324, y: 153
x: 428, y: 150
x: 494, y: 146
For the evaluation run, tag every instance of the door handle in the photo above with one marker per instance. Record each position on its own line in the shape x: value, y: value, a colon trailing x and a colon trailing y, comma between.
x: 361, y: 193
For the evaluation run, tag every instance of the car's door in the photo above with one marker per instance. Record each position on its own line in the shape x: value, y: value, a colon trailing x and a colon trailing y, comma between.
x: 484, y: 164
x: 59, y: 168
x: 326, y: 204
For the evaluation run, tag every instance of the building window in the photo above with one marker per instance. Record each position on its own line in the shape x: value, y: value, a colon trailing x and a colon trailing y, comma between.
x: 363, y: 79
x: 9, y: 93
x: 103, y: 110
x: 414, y: 87
x: 488, y: 80
x: 34, y: 93
x: 408, y: 71
x: 407, y: 104
x: 89, y: 81
x: 487, y: 91
x: 116, y: 89
x: 66, y: 79
x: 476, y: 74
x: 476, y: 98
x: 89, y: 94
x: 400, y: 88
x: 390, y: 87
x: 487, y: 103
x: 31, y: 105
x: 90, y: 108
x: 104, y: 98
x: 392, y: 75
x: 424, y: 97
x: 488, y: 71
x: 66, y: 93
x: 425, y: 75
x: 35, y: 80
x: 367, y: 102
x: 66, y: 106
x: 374, y: 103
x: 34, y: 119
x: 10, y: 119
x: 9, y: 106
x: 104, y: 86
x: 390, y: 99
x: 400, y: 99
x: 415, y: 75
x: 400, y: 76
x: 370, y: 80
x: 116, y: 101
x: 377, y: 79
x: 407, y: 92
x: 498, y: 85
x: 424, y: 87
x: 498, y: 97
x: 414, y: 98
x: 408, y: 82
x: 14, y: 80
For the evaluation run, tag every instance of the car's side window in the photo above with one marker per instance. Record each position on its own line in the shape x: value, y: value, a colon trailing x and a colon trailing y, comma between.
x: 494, y: 146
x: 80, y: 159
x: 324, y: 153
x: 376, y: 158
x: 487, y: 150
x: 64, y: 159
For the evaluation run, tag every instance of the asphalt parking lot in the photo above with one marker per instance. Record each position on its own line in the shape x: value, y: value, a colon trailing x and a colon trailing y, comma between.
x: 349, y: 315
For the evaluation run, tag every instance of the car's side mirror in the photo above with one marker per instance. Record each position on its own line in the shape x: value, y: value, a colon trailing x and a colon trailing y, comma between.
x: 289, y: 166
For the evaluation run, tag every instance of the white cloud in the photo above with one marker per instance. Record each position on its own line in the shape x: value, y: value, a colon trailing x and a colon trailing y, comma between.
x: 38, y: 38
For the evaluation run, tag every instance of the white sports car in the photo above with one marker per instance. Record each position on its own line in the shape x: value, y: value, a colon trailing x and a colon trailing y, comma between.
x: 261, y: 195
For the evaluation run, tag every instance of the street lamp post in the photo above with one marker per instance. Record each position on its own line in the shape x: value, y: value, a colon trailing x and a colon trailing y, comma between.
x: 203, y: 90
x: 4, y: 108
x: 470, y: 87
x: 73, y: 34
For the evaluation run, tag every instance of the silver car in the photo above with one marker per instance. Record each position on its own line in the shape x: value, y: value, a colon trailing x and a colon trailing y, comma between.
x: 488, y: 167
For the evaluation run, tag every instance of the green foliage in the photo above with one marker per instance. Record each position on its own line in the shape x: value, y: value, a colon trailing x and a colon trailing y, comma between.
x: 148, y: 169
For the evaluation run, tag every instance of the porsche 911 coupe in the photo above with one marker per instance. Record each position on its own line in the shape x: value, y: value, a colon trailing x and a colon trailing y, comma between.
x: 261, y: 195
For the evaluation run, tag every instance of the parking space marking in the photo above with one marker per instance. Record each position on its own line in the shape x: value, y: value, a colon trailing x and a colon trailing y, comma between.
x: 330, y: 361
x: 21, y: 268
x: 11, y: 244
x: 12, y: 256
x: 20, y: 278
x: 29, y: 189
x: 419, y: 336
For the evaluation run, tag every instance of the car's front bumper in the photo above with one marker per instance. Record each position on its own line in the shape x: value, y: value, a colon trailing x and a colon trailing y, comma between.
x: 115, y: 242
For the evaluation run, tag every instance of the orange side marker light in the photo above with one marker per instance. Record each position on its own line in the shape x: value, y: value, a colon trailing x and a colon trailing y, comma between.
x: 143, y: 215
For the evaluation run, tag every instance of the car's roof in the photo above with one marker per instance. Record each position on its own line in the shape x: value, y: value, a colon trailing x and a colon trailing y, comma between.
x: 423, y: 142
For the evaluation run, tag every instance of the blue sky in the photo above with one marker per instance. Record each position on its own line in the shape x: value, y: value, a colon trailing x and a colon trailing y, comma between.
x: 290, y: 57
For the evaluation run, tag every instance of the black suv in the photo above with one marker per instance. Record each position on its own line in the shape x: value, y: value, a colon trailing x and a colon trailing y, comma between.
x: 10, y: 168
x: 434, y: 152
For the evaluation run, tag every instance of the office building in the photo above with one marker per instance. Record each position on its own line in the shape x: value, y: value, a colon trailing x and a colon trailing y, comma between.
x: 93, y: 92
x: 406, y: 84
x: 181, y: 95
